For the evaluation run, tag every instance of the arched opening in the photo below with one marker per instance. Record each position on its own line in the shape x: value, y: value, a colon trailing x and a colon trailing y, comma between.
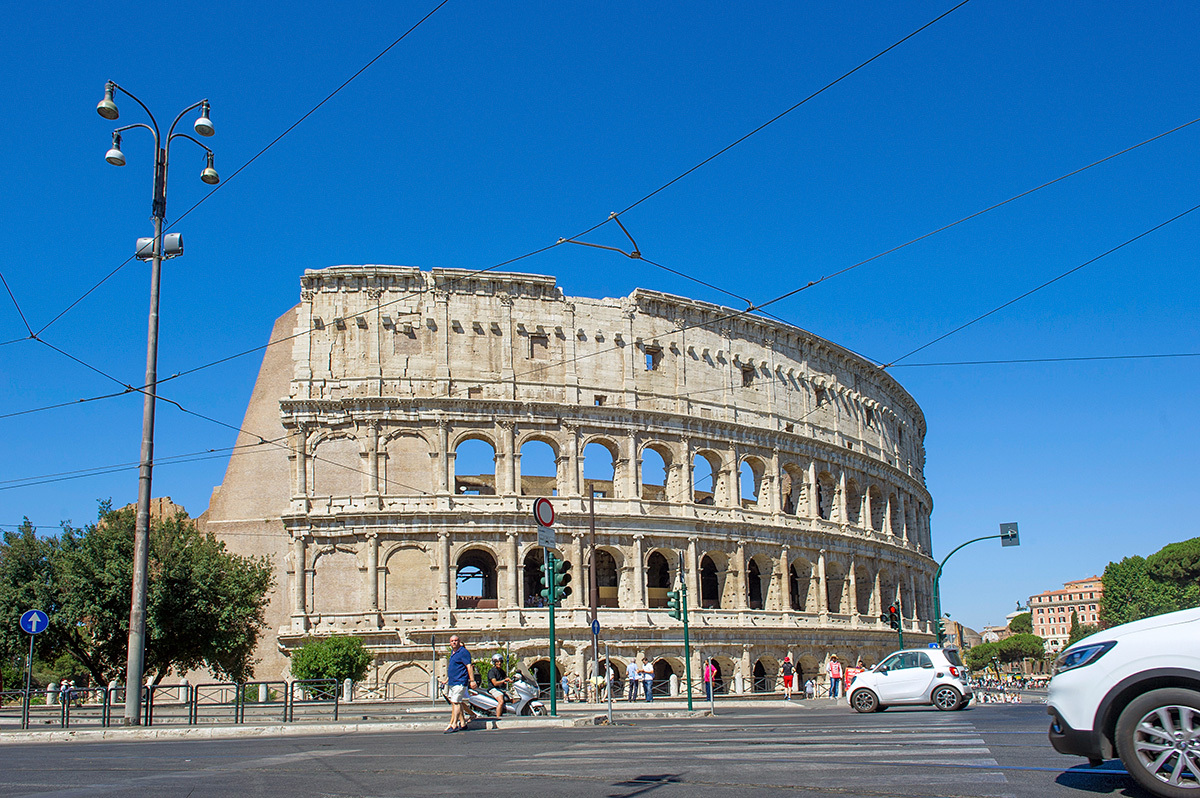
x: 800, y: 574
x: 710, y: 584
x: 754, y: 585
x: 826, y: 489
x: 835, y: 588
x: 654, y: 475
x: 539, y: 469
x: 662, y: 677
x: 475, y: 581
x: 765, y: 671
x: 607, y: 579
x: 706, y: 478
x: 724, y: 675
x: 750, y: 474
x: 854, y: 501
x: 878, y: 508
x: 406, y: 469
x: 475, y: 468
x: 599, y: 471
x: 658, y: 579
x: 540, y: 670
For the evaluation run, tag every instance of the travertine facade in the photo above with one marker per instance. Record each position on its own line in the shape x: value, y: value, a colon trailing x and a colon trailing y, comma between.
x: 373, y: 530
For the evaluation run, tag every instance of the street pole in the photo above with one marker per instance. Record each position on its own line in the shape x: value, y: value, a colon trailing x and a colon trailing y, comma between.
x: 551, y: 600
x: 1008, y: 537
x: 135, y: 656
x: 687, y: 645
x: 594, y: 595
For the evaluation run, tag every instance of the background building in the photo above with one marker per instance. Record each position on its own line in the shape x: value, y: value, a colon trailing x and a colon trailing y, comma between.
x: 1051, y: 611
x: 776, y: 475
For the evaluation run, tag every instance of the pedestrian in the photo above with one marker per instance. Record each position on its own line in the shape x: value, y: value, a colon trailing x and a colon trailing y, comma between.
x: 835, y: 672
x: 459, y: 673
x: 497, y: 681
x: 810, y: 689
x: 633, y: 674
x: 648, y: 679
x: 710, y: 674
x: 788, y: 671
x: 566, y: 688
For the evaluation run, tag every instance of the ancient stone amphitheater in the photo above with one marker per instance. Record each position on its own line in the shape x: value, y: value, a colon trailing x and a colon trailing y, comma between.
x: 775, y: 474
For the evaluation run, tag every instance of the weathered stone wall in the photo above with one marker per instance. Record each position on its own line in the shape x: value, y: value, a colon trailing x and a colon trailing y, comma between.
x: 369, y: 522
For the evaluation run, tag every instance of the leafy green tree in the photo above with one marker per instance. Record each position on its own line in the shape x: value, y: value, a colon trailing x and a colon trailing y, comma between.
x: 1079, y: 630
x: 1178, y: 565
x: 1131, y: 593
x: 980, y: 657
x: 338, y: 657
x: 1021, y: 624
x: 1020, y: 647
x: 205, y: 606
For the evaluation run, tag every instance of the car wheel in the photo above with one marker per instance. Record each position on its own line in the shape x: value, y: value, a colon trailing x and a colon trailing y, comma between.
x: 863, y: 700
x: 963, y: 704
x: 1158, y: 739
x: 946, y: 698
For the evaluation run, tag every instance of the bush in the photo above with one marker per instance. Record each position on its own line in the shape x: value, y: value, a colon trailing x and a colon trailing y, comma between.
x: 339, y: 657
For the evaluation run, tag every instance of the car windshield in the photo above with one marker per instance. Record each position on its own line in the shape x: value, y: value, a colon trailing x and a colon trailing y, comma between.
x: 952, y: 657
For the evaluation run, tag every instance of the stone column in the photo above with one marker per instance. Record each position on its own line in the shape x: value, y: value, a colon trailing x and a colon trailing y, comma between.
x: 867, y: 517
x: 743, y: 601
x: 733, y: 487
x: 887, y: 515
x: 301, y: 450
x: 785, y: 575
x: 877, y: 597
x: 692, y: 575
x: 843, y: 505
x: 444, y: 459
x: 444, y: 570
x: 574, y: 468
x: 774, y: 485
x: 299, y: 570
x: 639, y: 573
x: 911, y: 604
x: 687, y: 482
x: 373, y: 570
x: 513, y: 575
x: 373, y: 459
x: 813, y: 510
x: 852, y: 591
x: 822, y: 595
x: 633, y: 479
x: 578, y: 597
x: 903, y: 517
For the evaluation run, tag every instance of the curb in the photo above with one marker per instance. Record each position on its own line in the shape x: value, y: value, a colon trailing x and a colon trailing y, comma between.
x: 276, y: 730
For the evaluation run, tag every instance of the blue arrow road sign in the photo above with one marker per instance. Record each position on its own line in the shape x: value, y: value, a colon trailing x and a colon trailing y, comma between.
x: 34, y: 621
x: 595, y: 627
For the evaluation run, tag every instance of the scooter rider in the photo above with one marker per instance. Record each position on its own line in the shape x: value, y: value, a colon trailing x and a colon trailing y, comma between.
x: 498, y: 681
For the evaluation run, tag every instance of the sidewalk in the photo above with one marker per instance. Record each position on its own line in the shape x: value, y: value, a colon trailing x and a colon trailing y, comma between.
x: 368, y: 719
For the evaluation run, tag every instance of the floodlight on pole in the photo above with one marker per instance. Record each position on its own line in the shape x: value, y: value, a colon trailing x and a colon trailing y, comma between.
x: 107, y: 108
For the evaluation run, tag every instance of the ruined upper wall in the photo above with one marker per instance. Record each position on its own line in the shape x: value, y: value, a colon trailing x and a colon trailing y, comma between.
x: 395, y: 331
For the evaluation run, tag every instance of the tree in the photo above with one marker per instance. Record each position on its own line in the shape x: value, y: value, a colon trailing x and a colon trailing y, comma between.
x: 1020, y: 647
x: 204, y: 605
x: 1079, y: 630
x: 1131, y: 593
x: 980, y: 657
x: 1178, y: 565
x: 1021, y: 624
x: 339, y: 657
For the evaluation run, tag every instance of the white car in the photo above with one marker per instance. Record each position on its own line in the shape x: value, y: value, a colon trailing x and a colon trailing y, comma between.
x: 914, y: 676
x: 1134, y: 691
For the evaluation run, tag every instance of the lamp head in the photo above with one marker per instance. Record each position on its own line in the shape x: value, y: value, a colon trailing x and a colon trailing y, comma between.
x: 204, y: 125
x: 209, y: 175
x: 114, y: 156
x: 106, y: 107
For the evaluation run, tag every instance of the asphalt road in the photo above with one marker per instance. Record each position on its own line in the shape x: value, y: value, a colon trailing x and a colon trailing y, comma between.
x: 767, y: 749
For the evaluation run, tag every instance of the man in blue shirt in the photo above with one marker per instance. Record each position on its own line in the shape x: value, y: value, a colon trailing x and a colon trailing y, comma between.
x: 459, y: 673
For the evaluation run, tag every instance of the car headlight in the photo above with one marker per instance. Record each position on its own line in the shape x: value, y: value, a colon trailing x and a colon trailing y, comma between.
x: 1081, y: 655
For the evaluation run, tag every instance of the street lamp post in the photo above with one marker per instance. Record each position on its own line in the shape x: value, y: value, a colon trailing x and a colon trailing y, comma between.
x: 107, y: 108
x: 1008, y: 537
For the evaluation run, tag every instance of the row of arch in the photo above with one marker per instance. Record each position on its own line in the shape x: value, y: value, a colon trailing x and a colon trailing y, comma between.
x: 407, y: 462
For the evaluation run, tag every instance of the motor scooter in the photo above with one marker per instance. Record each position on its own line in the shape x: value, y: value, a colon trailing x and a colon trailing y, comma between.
x: 521, y: 700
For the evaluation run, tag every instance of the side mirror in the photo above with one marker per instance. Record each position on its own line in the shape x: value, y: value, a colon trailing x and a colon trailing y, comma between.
x: 881, y: 669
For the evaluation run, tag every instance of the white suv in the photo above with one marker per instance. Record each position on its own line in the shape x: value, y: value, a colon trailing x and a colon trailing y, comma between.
x: 1134, y: 691
x: 914, y: 676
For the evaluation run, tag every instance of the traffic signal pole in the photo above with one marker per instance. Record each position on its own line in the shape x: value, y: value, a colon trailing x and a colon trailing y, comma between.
x: 1008, y: 537
x: 548, y: 565
x: 677, y: 604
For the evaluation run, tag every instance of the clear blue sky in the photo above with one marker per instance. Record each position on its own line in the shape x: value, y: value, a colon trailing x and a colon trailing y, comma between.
x: 495, y: 129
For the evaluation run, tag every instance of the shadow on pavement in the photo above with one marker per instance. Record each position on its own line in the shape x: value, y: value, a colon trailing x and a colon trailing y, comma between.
x: 1110, y: 778
x: 644, y: 784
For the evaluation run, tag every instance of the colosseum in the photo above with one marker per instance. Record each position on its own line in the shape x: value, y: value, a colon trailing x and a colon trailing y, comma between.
x: 775, y: 474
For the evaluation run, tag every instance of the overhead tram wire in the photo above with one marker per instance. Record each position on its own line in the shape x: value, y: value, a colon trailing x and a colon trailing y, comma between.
x: 1025, y: 360
x: 16, y: 305
x: 1034, y: 290
x: 613, y: 216
x: 241, y: 168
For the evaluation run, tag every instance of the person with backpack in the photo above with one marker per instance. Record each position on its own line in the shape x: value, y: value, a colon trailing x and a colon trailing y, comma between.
x: 788, y: 671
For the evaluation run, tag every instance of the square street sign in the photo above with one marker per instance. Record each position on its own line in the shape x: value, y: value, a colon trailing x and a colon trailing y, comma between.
x: 1009, y: 535
x: 547, y: 539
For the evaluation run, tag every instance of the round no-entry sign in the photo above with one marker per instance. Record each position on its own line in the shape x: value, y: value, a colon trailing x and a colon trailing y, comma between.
x: 543, y: 512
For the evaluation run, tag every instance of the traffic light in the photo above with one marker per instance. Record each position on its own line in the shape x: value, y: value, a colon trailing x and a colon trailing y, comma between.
x: 558, y: 573
x: 675, y: 604
x: 941, y: 630
x: 893, y: 616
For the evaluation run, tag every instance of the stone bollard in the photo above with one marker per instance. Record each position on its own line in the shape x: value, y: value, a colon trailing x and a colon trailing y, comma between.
x: 674, y: 685
x: 263, y: 695
x: 52, y: 693
x: 739, y: 684
x: 348, y: 691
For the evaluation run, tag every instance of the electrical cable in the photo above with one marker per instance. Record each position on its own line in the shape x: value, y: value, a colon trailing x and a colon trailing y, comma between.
x: 1050, y: 282
x: 241, y: 168
x: 1081, y: 359
x: 16, y: 305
